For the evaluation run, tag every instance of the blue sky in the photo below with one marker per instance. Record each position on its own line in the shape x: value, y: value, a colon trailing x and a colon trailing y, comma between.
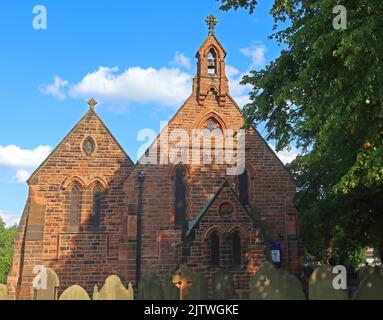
x: 136, y: 58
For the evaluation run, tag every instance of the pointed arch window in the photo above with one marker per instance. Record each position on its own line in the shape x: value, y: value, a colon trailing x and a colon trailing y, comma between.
x: 243, y: 188
x: 212, y: 62
x: 96, y: 207
x: 180, y: 204
x: 236, y: 250
x: 215, y: 250
x: 212, y: 125
x: 74, y: 208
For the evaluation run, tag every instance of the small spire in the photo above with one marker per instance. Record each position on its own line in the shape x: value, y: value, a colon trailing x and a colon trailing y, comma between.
x: 211, y: 21
x: 92, y: 103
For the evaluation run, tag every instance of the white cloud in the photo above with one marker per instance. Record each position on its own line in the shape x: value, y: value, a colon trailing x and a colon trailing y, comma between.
x: 55, y: 89
x: 231, y: 71
x: 257, y: 54
x: 164, y: 86
x: 287, y: 155
x: 242, y: 100
x: 22, y: 175
x: 24, y: 161
x: 10, y: 219
x: 240, y: 93
x: 15, y: 157
x: 169, y: 87
x: 182, y: 61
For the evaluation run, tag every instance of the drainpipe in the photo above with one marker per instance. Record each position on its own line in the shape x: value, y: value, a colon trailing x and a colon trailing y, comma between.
x: 140, y: 183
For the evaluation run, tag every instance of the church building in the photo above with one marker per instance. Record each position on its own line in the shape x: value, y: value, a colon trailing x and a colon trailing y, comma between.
x: 91, y: 212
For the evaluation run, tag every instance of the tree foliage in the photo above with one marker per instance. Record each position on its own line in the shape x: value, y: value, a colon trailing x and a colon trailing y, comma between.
x: 7, y: 236
x: 324, y: 93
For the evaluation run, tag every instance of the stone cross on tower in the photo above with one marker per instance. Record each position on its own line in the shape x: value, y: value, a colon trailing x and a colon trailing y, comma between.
x: 211, y: 22
x: 92, y: 103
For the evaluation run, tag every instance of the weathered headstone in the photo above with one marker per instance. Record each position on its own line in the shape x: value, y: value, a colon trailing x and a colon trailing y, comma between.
x: 321, y: 285
x: 3, y: 292
x: 171, y: 292
x: 371, y: 288
x: 96, y: 292
x: 198, y: 289
x: 270, y: 283
x: 182, y: 279
x: 223, y: 285
x: 150, y: 287
x: 52, y: 283
x: 74, y: 293
x: 113, y: 289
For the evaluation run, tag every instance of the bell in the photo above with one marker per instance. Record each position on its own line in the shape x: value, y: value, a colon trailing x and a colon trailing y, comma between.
x: 211, y: 62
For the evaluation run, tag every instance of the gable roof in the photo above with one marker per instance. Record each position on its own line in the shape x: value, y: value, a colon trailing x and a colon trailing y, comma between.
x: 92, y: 112
x: 192, y: 224
x: 264, y: 141
x: 216, y: 40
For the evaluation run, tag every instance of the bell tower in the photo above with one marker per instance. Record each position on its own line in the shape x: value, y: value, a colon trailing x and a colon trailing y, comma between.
x: 211, y: 77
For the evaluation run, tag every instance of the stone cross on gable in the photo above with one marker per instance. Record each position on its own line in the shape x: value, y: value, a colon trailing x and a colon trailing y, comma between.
x: 92, y: 103
x: 211, y: 22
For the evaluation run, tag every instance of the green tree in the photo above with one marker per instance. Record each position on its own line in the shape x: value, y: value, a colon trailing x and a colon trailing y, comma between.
x: 7, y: 236
x: 324, y: 93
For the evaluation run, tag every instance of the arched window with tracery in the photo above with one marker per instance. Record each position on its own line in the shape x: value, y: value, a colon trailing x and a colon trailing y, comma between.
x: 74, y: 207
x: 180, y: 201
x: 215, y: 250
x: 213, y: 126
x: 96, y: 207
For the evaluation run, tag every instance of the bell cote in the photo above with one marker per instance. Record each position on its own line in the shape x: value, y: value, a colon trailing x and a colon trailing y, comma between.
x: 211, y: 77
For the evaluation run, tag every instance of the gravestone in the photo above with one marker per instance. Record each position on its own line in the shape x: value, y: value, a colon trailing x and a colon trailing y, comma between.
x: 270, y: 283
x: 371, y: 288
x: 74, y: 293
x: 52, y: 283
x: 182, y: 279
x: 223, y: 285
x: 171, y: 292
x: 3, y: 292
x: 150, y: 287
x: 321, y: 285
x: 198, y: 289
x: 113, y: 289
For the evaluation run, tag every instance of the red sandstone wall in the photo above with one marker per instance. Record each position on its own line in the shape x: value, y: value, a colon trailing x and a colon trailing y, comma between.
x: 83, y: 257
x: 272, y: 190
x: 252, y: 245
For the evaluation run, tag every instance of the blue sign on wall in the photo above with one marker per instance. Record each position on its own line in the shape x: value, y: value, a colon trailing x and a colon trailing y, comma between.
x: 275, y: 252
